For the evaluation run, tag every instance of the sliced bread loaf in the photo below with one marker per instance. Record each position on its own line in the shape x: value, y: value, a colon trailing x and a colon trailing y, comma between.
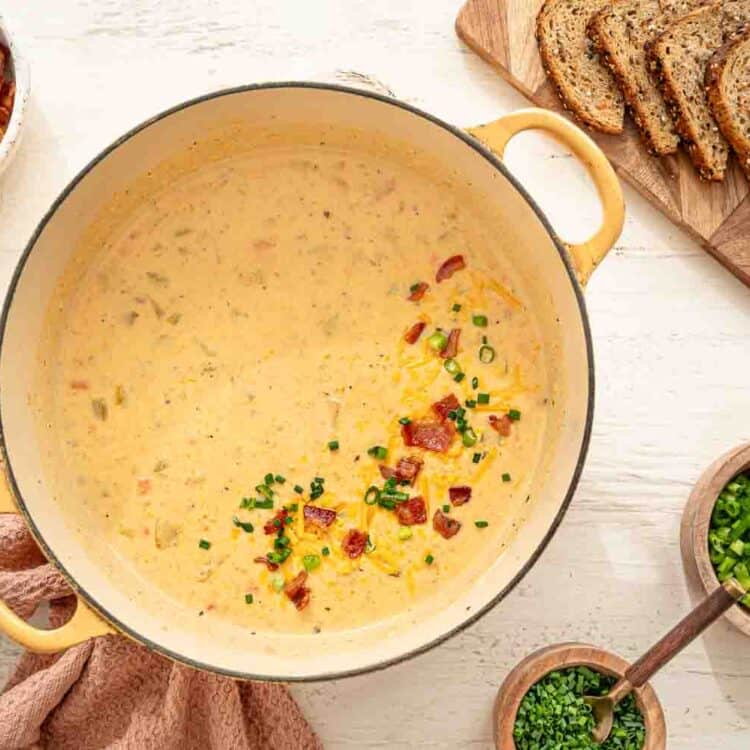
x: 585, y: 86
x: 679, y: 58
x: 620, y: 32
x: 728, y: 84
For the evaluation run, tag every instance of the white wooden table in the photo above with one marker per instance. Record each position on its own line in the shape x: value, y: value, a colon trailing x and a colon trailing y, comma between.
x: 671, y: 331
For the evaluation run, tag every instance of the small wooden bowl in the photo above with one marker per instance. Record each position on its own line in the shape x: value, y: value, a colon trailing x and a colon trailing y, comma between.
x: 696, y: 519
x: 560, y: 656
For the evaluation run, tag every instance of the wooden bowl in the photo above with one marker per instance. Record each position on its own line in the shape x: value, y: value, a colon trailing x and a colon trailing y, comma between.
x: 560, y: 656
x: 696, y: 519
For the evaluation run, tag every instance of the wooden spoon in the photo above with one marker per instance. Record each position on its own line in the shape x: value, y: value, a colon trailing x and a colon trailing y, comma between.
x: 689, y: 628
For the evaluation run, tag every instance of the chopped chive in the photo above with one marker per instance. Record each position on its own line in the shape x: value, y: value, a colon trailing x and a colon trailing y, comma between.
x: 475, y: 383
x: 469, y: 437
x: 288, y: 521
x: 204, y: 544
x: 310, y: 562
x: 404, y: 420
x: 246, y: 526
x: 483, y: 398
x: 470, y: 403
x: 378, y: 451
x: 264, y: 504
x: 298, y: 489
x: 446, y: 508
x: 452, y: 415
x: 429, y: 559
x: 279, y: 479
x: 279, y: 556
x: 459, y: 376
x: 268, y: 479
x: 325, y: 552
x: 277, y: 523
x: 486, y: 354
x: 387, y: 503
x: 293, y: 507
x: 372, y: 495
x: 506, y: 477
x: 404, y: 533
x: 319, y: 480
x: 247, y: 503
x: 514, y: 414
x: 456, y: 307
x: 265, y: 490
x: 476, y: 458
x: 452, y: 366
x: 438, y: 341
x: 481, y: 524
x: 479, y: 320
x: 333, y: 445
x: 277, y: 582
x: 248, y: 598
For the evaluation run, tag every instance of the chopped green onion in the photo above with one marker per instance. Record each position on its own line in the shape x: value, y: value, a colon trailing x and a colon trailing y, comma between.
x: 247, y: 503
x: 394, y: 495
x: 514, y: 414
x: 293, y: 507
x: 268, y: 479
x: 404, y: 533
x: 279, y: 479
x: 277, y: 582
x: 333, y: 445
x: 325, y: 552
x: 476, y: 458
x: 452, y: 366
x: 475, y: 383
x: 378, y: 451
x: 446, y: 508
x: 506, y: 477
x: 372, y: 495
x: 204, y: 544
x: 459, y: 376
x: 310, y: 562
x: 263, y: 504
x: 278, y: 556
x: 470, y: 403
x: 415, y: 287
x: 265, y: 490
x: 281, y: 541
x: 483, y: 398
x: 438, y: 341
x: 452, y: 415
x: 429, y: 559
x: 479, y: 320
x: 481, y: 524
x: 486, y: 354
x: 370, y: 546
x: 299, y: 489
x: 288, y: 520
x: 387, y: 503
x: 469, y: 437
x: 248, y: 598
x: 456, y: 307
x: 404, y: 420
x: 246, y: 526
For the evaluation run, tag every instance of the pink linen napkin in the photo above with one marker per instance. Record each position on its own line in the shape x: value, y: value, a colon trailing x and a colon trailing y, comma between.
x: 113, y: 693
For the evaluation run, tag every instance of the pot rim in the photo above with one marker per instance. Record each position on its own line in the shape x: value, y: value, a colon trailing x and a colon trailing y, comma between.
x: 472, y: 143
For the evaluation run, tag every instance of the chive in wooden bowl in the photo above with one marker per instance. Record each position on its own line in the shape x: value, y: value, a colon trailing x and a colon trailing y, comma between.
x: 696, y: 523
x: 564, y: 656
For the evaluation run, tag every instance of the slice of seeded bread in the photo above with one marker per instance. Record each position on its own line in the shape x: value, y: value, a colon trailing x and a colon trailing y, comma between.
x: 620, y: 32
x: 679, y: 58
x: 728, y: 85
x: 585, y: 86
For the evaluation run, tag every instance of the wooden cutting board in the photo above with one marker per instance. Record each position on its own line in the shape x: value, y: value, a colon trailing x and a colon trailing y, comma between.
x: 716, y: 214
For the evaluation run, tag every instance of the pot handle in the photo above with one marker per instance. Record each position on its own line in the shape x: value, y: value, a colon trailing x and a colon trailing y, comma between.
x: 587, y: 255
x: 84, y: 624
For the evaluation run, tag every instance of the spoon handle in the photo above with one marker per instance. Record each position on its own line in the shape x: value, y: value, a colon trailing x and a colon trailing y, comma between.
x: 689, y: 628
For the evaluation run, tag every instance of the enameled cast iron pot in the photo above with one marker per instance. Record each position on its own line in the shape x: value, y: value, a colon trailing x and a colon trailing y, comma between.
x: 554, y: 272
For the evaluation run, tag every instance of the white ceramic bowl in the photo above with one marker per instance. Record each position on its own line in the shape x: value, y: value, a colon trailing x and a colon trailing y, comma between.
x: 19, y: 69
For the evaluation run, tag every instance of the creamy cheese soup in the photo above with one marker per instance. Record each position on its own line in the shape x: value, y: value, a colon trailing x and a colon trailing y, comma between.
x: 301, y: 388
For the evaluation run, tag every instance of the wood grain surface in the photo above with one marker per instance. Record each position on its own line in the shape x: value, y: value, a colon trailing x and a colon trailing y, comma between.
x: 670, y: 330
x: 715, y: 214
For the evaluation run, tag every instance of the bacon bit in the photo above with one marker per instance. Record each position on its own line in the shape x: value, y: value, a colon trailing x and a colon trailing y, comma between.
x: 263, y: 560
x: 144, y: 486
x: 501, y: 424
x: 419, y: 291
x: 79, y: 385
x: 407, y: 469
x: 354, y: 543
x: 413, y: 334
x: 321, y: 517
x: 449, y: 267
x: 445, y: 525
x: 432, y: 436
x: 459, y: 495
x: 451, y: 348
x: 270, y: 527
x: 445, y: 405
x: 297, y: 591
x: 412, y: 511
